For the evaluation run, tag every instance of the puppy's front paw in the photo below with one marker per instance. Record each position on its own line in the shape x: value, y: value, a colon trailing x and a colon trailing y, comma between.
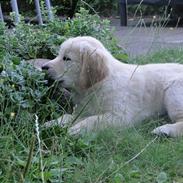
x: 168, y: 130
x: 75, y: 130
x: 53, y: 123
x: 63, y: 121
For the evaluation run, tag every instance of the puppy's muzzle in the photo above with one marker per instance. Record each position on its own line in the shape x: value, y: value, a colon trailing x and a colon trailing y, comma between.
x: 45, y: 67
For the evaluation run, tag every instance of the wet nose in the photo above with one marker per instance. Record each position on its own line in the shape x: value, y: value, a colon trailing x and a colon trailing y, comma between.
x: 45, y: 67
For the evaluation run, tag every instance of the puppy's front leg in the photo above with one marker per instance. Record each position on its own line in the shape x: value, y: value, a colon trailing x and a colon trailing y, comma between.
x: 92, y: 123
x: 62, y: 121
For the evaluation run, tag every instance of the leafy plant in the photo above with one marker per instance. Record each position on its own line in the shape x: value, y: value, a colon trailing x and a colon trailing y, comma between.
x: 103, y: 7
x: 21, y: 85
x: 28, y: 41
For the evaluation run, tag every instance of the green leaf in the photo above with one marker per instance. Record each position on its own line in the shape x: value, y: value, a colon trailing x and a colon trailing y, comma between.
x: 162, y: 177
x: 57, y: 171
x: 16, y: 60
x: 118, y: 178
x: 121, y: 56
x: 20, y: 162
x: 73, y: 161
x: 135, y: 174
x: 1, y: 68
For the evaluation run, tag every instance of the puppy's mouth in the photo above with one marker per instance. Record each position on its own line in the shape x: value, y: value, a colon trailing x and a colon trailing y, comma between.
x: 61, y: 83
x: 49, y: 78
x: 50, y: 82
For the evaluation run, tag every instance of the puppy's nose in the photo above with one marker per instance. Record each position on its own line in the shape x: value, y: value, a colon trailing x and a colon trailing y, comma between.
x: 45, y: 67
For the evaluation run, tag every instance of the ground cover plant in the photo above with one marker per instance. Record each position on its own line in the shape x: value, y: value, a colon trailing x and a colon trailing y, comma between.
x: 30, y: 153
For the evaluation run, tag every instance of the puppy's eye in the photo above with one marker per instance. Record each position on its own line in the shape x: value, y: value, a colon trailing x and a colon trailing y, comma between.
x: 66, y: 58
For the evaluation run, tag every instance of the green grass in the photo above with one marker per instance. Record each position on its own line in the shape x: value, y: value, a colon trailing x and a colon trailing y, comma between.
x: 96, y: 157
x: 163, y: 56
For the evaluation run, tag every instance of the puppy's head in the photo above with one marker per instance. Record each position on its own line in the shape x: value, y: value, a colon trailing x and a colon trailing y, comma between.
x: 81, y: 63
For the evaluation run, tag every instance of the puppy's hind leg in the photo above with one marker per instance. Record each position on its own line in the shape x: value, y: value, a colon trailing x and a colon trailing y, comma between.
x: 173, y: 101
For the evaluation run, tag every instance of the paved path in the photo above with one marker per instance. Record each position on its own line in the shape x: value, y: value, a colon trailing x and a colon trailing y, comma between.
x: 143, y: 40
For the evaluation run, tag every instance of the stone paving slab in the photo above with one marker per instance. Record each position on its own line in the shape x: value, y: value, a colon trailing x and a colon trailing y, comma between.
x: 143, y: 40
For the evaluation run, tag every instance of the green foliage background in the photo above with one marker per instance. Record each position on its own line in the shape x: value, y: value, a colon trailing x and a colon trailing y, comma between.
x: 23, y: 95
x: 96, y: 157
x: 21, y: 85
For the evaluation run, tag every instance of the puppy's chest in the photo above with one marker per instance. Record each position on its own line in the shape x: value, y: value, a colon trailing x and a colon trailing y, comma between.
x: 90, y: 104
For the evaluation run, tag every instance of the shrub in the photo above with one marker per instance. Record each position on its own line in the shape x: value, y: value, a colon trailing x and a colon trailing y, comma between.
x: 28, y: 41
x: 103, y: 7
x: 22, y: 86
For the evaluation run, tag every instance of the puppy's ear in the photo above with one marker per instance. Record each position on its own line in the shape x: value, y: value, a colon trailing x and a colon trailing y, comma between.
x: 93, y: 66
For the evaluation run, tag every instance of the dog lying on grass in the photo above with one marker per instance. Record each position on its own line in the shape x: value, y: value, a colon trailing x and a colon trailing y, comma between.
x: 107, y: 92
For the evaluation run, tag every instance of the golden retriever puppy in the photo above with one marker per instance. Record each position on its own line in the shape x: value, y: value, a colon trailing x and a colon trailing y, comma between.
x: 107, y: 92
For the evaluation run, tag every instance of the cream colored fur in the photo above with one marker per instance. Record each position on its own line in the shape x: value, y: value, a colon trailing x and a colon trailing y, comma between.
x: 108, y: 92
